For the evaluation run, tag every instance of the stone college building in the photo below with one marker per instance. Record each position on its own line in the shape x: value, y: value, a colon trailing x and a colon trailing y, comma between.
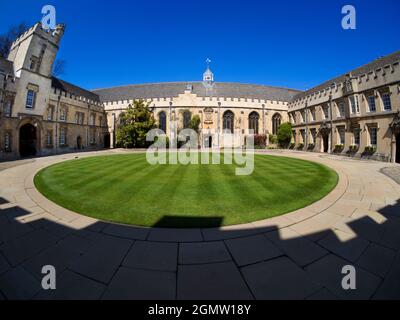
x: 356, y: 114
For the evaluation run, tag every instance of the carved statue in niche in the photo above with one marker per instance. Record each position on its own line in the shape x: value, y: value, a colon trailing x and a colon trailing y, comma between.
x: 208, y: 115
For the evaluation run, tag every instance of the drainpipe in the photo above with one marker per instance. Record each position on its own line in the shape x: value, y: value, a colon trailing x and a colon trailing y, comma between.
x: 263, y: 117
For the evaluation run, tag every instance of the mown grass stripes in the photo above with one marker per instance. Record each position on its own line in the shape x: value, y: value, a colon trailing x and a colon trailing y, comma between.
x: 126, y: 189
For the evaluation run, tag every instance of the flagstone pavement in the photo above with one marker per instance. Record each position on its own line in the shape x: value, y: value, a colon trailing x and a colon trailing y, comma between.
x: 299, y: 255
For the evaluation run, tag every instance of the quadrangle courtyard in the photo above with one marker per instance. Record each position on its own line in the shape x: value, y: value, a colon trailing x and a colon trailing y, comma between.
x: 298, y: 255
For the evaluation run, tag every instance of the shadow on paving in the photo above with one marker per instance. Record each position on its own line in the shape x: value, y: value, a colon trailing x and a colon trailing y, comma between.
x: 110, y: 261
x: 188, y: 222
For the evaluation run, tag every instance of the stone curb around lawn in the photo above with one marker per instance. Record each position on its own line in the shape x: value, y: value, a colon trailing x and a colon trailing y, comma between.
x: 78, y: 221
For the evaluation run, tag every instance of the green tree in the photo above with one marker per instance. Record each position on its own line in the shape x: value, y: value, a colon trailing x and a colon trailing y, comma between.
x: 285, y: 133
x: 135, y: 122
x: 7, y: 38
x: 195, y: 123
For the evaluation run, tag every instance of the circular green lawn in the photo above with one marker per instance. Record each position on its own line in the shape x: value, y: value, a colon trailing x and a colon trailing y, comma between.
x: 126, y: 189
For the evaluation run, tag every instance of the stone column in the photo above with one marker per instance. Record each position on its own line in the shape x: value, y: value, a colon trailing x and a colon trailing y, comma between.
x: 218, y: 125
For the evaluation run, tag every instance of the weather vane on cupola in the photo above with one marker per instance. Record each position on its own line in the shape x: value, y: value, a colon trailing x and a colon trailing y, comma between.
x: 208, y: 76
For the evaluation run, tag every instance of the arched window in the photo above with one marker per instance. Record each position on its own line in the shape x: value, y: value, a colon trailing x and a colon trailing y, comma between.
x: 186, y: 119
x: 253, y: 122
x: 276, y: 123
x: 162, y: 121
x: 229, y: 117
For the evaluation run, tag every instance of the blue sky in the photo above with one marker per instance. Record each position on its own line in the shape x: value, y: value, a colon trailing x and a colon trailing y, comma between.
x: 288, y: 43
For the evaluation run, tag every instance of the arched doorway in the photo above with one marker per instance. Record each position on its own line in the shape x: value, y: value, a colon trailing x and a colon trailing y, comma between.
x: 325, y: 142
x: 27, y: 140
x: 79, y: 143
x: 107, y: 140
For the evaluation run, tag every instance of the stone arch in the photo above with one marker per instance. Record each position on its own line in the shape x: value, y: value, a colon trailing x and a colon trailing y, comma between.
x: 29, y: 131
x: 254, y: 119
x: 162, y: 121
x: 276, y: 122
x: 228, y: 121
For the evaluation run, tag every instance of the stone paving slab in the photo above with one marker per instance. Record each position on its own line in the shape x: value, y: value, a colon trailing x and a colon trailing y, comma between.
x: 328, y: 272
x: 311, y: 229
x: 391, y: 284
x: 175, y: 235
x: 363, y: 227
x: 298, y: 248
x: 129, y: 232
x: 4, y: 265
x: 135, y: 284
x: 249, y: 250
x: 152, y: 256
x: 13, y: 231
x: 293, y: 256
x: 72, y: 286
x: 102, y: 259
x: 279, y: 279
x: 61, y: 256
x: 211, y: 282
x: 345, y: 245
x: 203, y: 252
x: 17, y: 284
x: 20, y: 249
x: 377, y: 259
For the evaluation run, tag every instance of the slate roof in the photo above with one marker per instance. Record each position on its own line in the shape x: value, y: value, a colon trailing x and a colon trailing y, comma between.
x: 173, y: 89
x: 70, y: 88
x: 372, y: 66
x: 6, y: 66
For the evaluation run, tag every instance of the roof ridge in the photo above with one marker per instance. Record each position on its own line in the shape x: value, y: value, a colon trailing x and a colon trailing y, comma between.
x: 189, y: 82
x: 363, y: 66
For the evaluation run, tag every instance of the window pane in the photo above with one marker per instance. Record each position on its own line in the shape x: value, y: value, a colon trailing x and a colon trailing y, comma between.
x: 386, y: 102
x: 371, y: 103
x: 357, y: 136
x: 30, y: 99
x: 373, y: 136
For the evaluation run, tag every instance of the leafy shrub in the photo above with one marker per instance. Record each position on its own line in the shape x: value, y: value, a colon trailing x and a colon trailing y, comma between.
x: 260, y: 141
x: 284, y: 135
x: 273, y: 139
x: 338, y: 148
x: 353, y: 148
x: 370, y: 150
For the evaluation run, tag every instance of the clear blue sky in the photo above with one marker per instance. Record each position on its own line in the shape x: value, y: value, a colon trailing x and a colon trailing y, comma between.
x: 295, y: 44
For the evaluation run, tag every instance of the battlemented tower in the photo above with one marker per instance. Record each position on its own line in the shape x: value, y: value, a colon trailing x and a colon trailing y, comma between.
x: 36, y: 49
